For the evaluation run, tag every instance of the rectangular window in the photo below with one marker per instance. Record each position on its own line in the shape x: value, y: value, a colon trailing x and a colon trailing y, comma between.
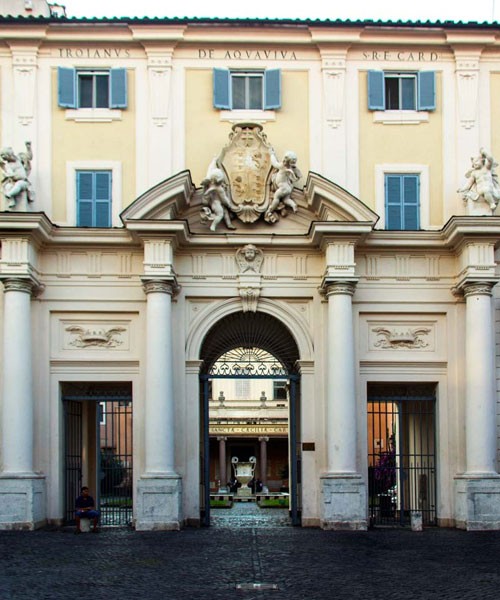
x: 402, y: 202
x: 93, y: 189
x: 279, y: 390
x: 389, y: 90
x: 400, y: 91
x: 93, y: 89
x: 89, y: 88
x: 247, y: 90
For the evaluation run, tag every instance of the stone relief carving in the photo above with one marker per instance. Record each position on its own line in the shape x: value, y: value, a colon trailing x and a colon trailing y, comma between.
x: 482, y: 184
x: 394, y: 339
x: 16, y: 169
x: 249, y: 259
x: 88, y: 338
x: 248, y: 181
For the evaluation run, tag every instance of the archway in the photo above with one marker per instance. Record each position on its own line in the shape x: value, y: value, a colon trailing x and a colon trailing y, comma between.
x: 242, y: 353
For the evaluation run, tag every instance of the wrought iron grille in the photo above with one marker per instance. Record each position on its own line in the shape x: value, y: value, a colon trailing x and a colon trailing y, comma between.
x: 401, y: 460
x: 73, y: 456
x: 247, y: 362
x: 115, y: 455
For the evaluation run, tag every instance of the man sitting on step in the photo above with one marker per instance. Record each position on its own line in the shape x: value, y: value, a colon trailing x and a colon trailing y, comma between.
x: 85, y: 509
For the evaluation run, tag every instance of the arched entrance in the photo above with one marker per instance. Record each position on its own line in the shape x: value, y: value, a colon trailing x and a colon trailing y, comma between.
x: 248, y: 351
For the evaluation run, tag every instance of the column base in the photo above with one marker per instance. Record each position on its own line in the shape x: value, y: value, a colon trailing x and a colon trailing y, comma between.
x: 343, y: 502
x: 159, y: 503
x: 477, y: 503
x: 22, y: 502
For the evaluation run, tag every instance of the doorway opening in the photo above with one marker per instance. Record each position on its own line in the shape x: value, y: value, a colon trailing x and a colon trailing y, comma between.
x: 401, y: 454
x: 250, y: 398
x: 98, y: 448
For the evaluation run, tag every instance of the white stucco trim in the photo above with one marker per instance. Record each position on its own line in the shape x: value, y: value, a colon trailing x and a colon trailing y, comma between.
x: 248, y: 116
x: 413, y: 169
x: 212, y: 314
x: 93, y: 115
x: 94, y: 165
x: 400, y: 117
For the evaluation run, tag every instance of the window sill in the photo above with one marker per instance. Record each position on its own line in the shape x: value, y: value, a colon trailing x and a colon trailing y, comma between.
x: 93, y: 115
x: 400, y: 117
x: 251, y: 116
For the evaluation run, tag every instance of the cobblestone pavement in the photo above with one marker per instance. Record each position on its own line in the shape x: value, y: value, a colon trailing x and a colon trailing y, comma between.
x: 209, y: 564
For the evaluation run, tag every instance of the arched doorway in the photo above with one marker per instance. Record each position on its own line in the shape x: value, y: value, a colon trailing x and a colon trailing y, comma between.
x: 249, y: 351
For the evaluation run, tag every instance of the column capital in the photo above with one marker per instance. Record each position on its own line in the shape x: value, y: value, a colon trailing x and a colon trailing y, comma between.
x: 478, y: 288
x: 18, y: 284
x: 264, y: 438
x: 160, y: 286
x: 222, y: 438
x: 333, y: 288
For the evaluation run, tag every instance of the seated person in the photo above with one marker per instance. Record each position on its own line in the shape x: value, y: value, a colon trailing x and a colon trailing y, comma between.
x: 85, y: 509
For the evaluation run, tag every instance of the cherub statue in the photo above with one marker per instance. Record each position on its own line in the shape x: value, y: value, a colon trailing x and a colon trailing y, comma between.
x: 15, y: 172
x: 216, y: 201
x: 249, y: 258
x: 482, y: 181
x: 287, y: 173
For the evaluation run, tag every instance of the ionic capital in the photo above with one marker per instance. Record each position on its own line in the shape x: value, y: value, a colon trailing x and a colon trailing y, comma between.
x: 222, y: 438
x: 263, y: 439
x: 18, y: 285
x: 346, y: 288
x: 159, y: 286
x: 478, y: 288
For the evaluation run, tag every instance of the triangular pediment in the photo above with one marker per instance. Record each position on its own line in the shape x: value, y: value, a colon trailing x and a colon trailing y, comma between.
x: 177, y: 199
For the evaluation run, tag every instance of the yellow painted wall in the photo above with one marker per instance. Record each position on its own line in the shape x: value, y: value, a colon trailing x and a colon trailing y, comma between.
x: 206, y: 134
x: 72, y: 141
x: 412, y: 144
x: 495, y: 114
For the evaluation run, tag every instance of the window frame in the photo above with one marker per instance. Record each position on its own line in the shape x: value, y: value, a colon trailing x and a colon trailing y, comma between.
x: 400, y: 76
x: 424, y: 95
x: 424, y: 188
x: 71, y: 190
x: 223, y: 89
x: 68, y: 93
x: 94, y: 201
x: 94, y: 73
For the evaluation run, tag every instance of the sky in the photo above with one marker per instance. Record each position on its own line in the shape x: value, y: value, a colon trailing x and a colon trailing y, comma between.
x: 410, y: 10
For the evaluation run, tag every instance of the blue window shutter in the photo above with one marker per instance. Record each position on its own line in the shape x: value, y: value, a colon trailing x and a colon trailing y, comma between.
x: 272, y: 89
x: 103, y: 199
x: 221, y: 89
x: 118, y: 88
x: 393, y: 202
x: 85, y: 198
x: 66, y: 87
x: 376, y: 92
x: 93, y: 198
x: 411, y: 202
x: 426, y: 90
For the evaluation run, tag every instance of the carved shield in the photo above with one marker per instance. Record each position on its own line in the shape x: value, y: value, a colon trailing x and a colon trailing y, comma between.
x: 247, y: 163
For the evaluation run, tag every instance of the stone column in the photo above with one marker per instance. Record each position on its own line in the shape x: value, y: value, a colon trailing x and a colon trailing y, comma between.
x: 344, y: 494
x: 478, y: 490
x: 22, y: 494
x: 159, y: 490
x: 480, y: 400
x: 263, y: 461
x: 222, y: 462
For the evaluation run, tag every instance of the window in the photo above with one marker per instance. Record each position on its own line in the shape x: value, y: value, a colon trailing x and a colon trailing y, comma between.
x: 93, y: 189
x: 247, y: 90
x: 279, y: 390
x: 388, y: 90
x: 402, y: 201
x: 84, y: 88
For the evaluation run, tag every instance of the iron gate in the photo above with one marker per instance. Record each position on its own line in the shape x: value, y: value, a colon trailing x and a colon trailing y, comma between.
x: 294, y: 444
x: 98, y: 450
x: 401, y: 458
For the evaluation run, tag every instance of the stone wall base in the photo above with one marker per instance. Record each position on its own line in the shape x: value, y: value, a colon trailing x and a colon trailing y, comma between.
x: 343, y: 502
x: 477, y: 503
x: 159, y: 501
x: 22, y: 502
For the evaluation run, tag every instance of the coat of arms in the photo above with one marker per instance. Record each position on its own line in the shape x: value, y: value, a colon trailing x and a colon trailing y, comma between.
x: 248, y: 181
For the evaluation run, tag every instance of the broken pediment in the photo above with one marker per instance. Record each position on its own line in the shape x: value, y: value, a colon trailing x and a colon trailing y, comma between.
x: 320, y: 200
x: 248, y: 190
